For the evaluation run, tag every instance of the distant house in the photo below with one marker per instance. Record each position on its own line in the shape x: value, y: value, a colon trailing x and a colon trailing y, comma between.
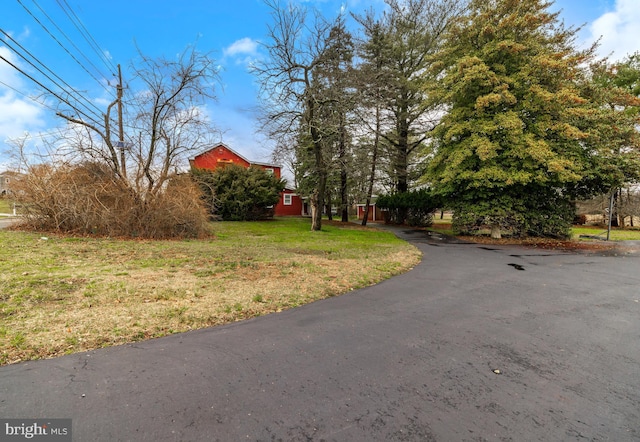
x: 7, y: 181
x: 222, y: 155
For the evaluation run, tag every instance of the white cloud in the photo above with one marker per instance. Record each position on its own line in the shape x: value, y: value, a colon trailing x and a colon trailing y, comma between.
x: 18, y: 114
x: 618, y: 30
x: 244, y: 46
x: 8, y: 74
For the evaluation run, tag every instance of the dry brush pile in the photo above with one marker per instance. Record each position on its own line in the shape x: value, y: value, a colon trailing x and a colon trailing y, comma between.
x: 90, y: 199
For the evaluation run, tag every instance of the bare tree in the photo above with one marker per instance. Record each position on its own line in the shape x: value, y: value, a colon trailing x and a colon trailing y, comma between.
x: 293, y: 90
x: 85, y: 185
x: 164, y: 121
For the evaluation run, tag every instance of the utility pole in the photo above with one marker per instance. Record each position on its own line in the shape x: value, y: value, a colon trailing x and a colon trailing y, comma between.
x: 123, y: 163
x: 613, y: 192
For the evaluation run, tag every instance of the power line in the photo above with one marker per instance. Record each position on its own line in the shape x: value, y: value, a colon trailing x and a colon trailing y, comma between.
x: 93, y: 44
x: 57, y: 41
x: 49, y: 90
x: 80, y: 100
x: 87, y: 35
x: 27, y: 96
x: 69, y: 92
x: 74, y: 45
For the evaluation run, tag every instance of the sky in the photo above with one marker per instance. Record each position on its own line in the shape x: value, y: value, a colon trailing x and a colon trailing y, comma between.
x: 232, y: 30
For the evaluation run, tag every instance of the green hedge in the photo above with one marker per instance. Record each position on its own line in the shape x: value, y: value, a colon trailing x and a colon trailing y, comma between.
x: 416, y: 207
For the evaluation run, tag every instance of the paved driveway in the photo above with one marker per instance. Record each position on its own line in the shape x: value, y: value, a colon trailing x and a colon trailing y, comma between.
x: 413, y: 358
x: 6, y: 221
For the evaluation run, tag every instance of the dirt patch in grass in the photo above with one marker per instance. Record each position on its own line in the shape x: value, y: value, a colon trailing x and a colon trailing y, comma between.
x: 544, y: 243
x: 61, y: 295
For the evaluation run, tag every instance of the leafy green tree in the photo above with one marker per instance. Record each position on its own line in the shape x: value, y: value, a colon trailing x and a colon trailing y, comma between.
x: 235, y: 193
x: 510, y: 152
x: 613, y: 90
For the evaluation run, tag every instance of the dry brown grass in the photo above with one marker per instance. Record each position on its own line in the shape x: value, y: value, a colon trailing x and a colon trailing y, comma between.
x: 61, y: 295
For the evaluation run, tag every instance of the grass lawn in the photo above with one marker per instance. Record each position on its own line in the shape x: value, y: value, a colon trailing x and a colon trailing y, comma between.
x: 616, y: 234
x: 6, y: 206
x: 66, y: 294
x: 442, y: 225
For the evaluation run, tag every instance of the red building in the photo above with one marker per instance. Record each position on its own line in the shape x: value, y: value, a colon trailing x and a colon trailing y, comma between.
x: 290, y: 204
x: 375, y: 214
x: 221, y: 155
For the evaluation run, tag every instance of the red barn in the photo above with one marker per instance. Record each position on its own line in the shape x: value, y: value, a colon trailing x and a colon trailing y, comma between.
x: 221, y: 155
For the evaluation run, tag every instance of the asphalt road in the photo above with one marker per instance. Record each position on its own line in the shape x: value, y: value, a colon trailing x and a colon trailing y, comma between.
x: 411, y: 359
x: 6, y: 221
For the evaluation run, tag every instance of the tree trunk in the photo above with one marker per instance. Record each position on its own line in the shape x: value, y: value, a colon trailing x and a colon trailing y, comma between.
x: 623, y: 204
x: 402, y: 162
x: 614, y: 211
x: 372, y: 176
x: 344, y: 197
x: 317, y: 199
x: 495, y: 232
x: 316, y: 212
x: 374, y: 160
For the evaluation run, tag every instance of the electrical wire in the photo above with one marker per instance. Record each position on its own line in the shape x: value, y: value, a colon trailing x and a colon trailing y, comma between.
x: 86, y: 34
x: 49, y: 90
x: 8, y: 86
x: 77, y: 22
x: 70, y: 93
x: 57, y: 41
x: 76, y: 47
x: 80, y: 100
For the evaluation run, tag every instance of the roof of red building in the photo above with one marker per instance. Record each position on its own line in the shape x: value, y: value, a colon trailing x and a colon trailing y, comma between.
x: 257, y: 163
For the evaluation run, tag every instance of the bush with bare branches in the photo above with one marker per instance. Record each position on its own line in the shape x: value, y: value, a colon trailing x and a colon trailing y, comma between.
x: 90, y: 199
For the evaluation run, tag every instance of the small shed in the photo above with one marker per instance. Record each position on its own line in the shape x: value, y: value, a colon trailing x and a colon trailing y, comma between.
x: 290, y: 204
x: 375, y: 214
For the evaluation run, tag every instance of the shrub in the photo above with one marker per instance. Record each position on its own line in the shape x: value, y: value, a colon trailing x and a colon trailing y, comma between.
x: 89, y: 199
x: 580, y: 220
x: 416, y: 206
x: 235, y: 193
x: 533, y: 211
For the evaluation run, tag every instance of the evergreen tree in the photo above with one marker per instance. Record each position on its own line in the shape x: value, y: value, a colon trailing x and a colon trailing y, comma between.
x: 401, y: 45
x: 613, y: 90
x: 510, y: 150
x: 235, y: 193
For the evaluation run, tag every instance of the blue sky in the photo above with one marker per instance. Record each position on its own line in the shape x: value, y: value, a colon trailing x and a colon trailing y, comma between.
x: 231, y: 29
